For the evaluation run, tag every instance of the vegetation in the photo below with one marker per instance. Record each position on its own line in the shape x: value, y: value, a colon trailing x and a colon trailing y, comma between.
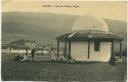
x: 45, y: 27
x: 55, y: 71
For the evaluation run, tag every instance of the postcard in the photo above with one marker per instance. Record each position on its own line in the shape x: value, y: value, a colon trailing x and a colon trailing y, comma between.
x: 64, y: 41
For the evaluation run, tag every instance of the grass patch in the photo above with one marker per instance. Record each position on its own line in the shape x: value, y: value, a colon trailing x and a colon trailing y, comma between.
x: 55, y: 71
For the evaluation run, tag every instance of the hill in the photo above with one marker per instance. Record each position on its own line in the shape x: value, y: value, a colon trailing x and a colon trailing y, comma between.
x: 45, y: 27
x: 42, y: 27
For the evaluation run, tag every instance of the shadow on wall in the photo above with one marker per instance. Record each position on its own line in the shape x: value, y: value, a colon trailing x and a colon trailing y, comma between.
x: 124, y: 52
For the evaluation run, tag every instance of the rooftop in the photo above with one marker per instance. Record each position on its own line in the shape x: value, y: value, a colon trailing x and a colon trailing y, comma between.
x: 89, y: 35
x: 22, y: 41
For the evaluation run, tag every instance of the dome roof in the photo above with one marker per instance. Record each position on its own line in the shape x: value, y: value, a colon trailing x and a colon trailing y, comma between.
x: 89, y: 23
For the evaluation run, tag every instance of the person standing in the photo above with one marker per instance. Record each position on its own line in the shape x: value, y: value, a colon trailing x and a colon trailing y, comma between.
x: 53, y: 57
x: 33, y: 53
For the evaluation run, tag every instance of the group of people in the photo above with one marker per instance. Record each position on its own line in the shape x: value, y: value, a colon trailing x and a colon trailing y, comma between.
x: 25, y: 57
x: 33, y: 51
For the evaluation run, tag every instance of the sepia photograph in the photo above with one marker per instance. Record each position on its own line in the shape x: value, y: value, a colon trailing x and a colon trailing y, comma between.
x: 64, y: 41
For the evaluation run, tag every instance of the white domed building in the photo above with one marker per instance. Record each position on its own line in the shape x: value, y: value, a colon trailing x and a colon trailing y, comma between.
x: 90, y: 40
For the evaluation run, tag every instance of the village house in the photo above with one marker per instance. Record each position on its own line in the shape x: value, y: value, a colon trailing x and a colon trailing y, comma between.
x: 19, y: 49
x: 43, y: 48
x: 39, y: 50
x: 90, y: 40
x: 5, y: 48
x: 23, y: 42
x: 21, y: 45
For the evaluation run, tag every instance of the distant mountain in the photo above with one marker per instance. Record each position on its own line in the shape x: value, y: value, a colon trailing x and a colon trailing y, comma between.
x: 45, y: 27
x: 42, y: 27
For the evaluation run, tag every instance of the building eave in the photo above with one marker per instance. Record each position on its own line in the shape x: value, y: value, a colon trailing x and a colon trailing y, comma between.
x: 85, y: 36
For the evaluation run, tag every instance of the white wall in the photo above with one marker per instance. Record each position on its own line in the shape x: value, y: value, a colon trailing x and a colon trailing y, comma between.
x: 20, y: 51
x: 5, y: 50
x: 79, y: 51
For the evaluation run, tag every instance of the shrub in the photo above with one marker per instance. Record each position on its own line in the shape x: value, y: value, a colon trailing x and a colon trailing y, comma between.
x: 112, y: 61
x: 19, y: 57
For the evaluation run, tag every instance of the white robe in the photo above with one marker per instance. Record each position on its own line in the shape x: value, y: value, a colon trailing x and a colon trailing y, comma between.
x: 25, y: 58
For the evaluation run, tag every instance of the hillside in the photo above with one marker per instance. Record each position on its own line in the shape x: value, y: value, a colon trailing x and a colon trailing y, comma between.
x: 42, y: 27
x: 45, y: 27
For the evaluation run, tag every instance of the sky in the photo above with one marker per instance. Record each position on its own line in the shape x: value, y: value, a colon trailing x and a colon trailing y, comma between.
x: 116, y: 10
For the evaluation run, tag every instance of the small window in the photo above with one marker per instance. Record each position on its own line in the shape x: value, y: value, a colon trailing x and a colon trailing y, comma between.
x: 96, y: 46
